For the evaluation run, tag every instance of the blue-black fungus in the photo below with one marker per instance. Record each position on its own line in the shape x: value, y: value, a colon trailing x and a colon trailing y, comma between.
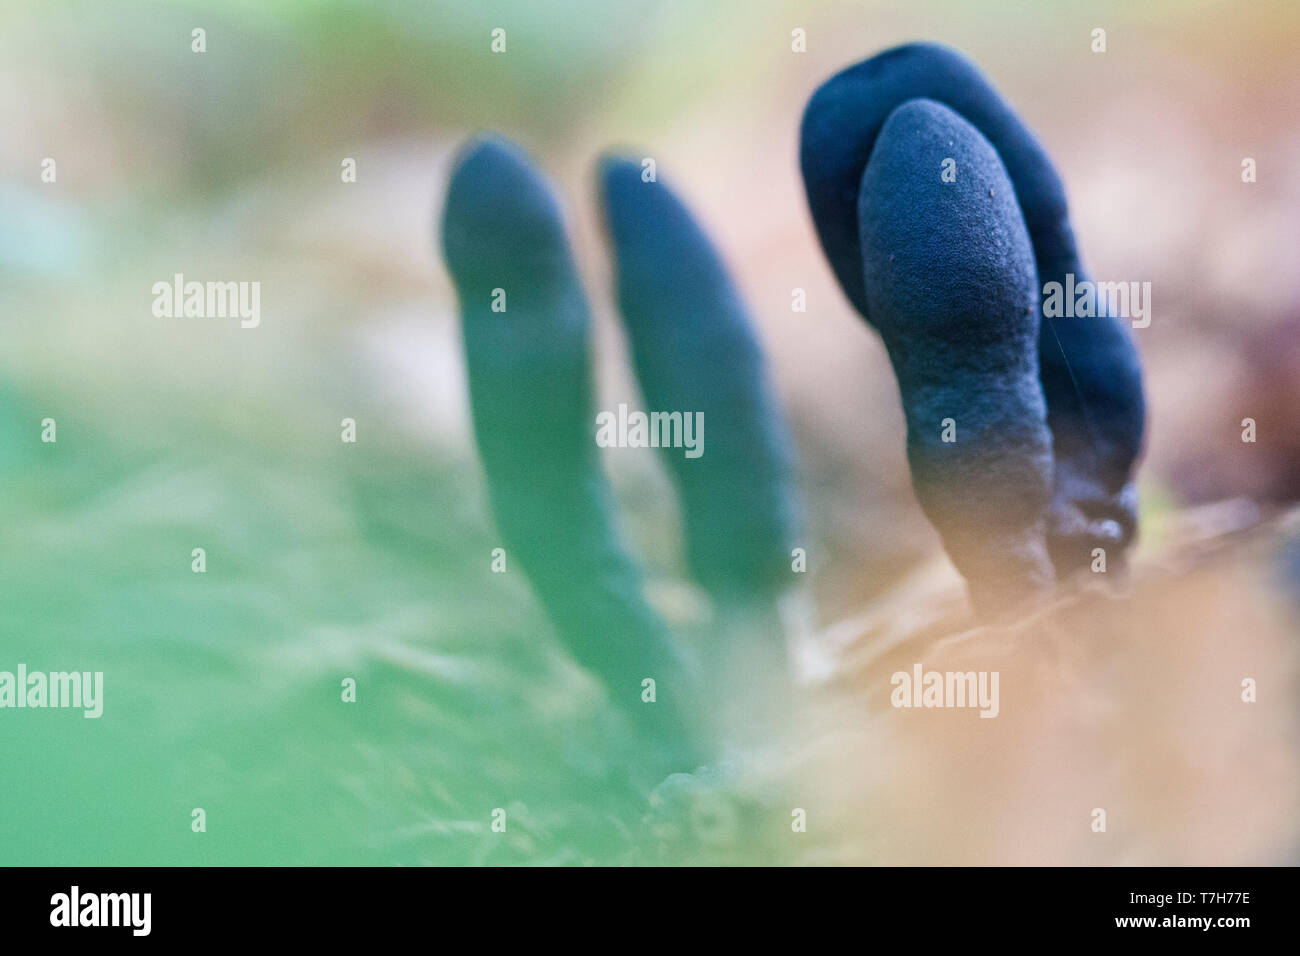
x: 1089, y: 367
x: 695, y: 350
x: 949, y: 279
x: 530, y: 386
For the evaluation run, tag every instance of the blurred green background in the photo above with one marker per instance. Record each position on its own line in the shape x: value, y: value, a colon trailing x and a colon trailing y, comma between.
x: 328, y: 560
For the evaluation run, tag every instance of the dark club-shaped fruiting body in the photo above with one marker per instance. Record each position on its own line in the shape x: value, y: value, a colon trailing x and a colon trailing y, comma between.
x: 1089, y: 368
x: 530, y: 386
x: 950, y: 282
x: 695, y: 350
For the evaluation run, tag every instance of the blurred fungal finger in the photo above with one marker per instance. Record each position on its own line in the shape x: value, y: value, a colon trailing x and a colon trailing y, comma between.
x: 949, y: 278
x: 696, y: 353
x: 1091, y: 375
x: 526, y: 345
